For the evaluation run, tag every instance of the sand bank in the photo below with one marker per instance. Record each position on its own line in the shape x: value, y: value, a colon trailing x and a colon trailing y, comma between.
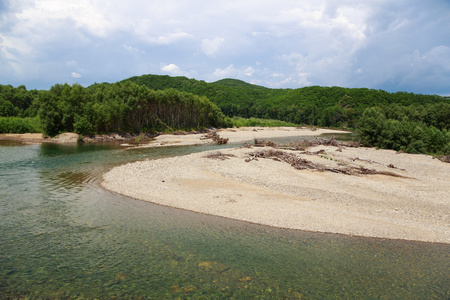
x: 413, y: 206
x: 237, y: 135
x: 40, y: 138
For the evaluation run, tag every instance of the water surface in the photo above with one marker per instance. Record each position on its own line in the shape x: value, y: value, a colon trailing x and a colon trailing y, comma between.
x: 63, y: 236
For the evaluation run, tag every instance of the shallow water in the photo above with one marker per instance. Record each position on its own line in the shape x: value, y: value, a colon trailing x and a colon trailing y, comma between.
x: 63, y: 236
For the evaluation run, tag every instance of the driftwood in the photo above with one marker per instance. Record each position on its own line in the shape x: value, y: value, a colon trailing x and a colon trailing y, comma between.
x: 264, y: 143
x: 301, y: 164
x: 445, y: 158
x: 215, y: 137
x: 303, y: 144
x: 394, y: 167
x: 364, y: 160
x: 219, y: 155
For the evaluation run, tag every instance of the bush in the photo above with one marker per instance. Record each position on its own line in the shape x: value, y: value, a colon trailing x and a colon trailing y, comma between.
x: 412, y: 137
x: 18, y: 125
x: 82, y: 126
x: 371, y: 125
x: 252, y: 122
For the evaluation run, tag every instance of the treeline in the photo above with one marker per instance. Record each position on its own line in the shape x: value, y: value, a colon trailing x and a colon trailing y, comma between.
x: 411, y: 122
x: 17, y: 102
x: 103, y: 108
x: 389, y: 129
x: 314, y: 105
x: 405, y: 121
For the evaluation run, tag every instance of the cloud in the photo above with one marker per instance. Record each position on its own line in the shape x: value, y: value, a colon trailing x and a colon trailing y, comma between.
x: 75, y: 75
x: 227, y: 72
x: 211, y: 47
x: 249, y: 71
x: 171, y: 69
x: 172, y: 37
x: 245, y: 73
x: 380, y: 44
x: 133, y: 49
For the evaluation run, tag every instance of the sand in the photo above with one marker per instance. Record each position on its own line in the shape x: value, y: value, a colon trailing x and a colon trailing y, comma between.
x: 63, y: 138
x: 238, y: 135
x: 413, y: 206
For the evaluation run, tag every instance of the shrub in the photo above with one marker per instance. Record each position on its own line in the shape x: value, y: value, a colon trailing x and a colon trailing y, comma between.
x: 18, y: 125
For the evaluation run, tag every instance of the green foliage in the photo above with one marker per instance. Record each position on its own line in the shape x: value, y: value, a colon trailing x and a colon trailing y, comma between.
x: 408, y: 135
x: 401, y: 121
x: 371, y: 125
x: 6, y: 108
x: 18, y: 125
x: 49, y: 114
x: 104, y: 108
x: 82, y: 125
x: 314, y: 105
x: 17, y: 101
x: 251, y: 122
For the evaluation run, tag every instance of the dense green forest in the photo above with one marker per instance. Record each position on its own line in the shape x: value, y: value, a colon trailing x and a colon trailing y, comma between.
x: 400, y: 121
x: 104, y: 108
x: 315, y: 105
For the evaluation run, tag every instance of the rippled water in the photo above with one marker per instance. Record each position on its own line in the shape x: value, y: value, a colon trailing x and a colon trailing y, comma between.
x: 62, y: 236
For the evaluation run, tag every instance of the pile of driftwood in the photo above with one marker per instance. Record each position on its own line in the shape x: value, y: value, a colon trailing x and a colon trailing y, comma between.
x: 303, y: 144
x: 215, y: 137
x: 290, y: 158
x: 279, y: 154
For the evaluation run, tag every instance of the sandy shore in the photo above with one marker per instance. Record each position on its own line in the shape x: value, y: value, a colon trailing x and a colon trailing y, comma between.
x: 39, y: 138
x: 237, y: 135
x: 234, y: 135
x: 413, y: 206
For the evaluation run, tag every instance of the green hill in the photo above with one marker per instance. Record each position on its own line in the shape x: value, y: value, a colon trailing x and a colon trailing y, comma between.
x: 314, y: 105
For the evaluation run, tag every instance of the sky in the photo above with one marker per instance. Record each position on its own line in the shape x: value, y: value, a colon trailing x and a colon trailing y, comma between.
x: 392, y: 45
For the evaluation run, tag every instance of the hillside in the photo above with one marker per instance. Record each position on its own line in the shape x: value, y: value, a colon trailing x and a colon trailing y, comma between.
x: 315, y: 105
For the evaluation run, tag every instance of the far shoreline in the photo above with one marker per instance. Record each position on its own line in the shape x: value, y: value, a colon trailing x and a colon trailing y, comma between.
x: 156, y: 139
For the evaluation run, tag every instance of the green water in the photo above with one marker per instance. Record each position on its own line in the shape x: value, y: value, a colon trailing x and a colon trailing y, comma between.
x: 62, y: 236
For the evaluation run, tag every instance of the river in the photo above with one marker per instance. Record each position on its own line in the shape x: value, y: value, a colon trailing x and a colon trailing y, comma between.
x: 62, y: 237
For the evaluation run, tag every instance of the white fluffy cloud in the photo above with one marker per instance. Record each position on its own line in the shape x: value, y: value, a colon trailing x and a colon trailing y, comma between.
x: 171, y: 69
x: 211, y: 46
x: 380, y: 44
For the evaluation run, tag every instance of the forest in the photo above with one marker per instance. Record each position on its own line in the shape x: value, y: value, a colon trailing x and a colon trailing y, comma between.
x: 400, y: 121
x: 314, y: 105
x: 105, y: 108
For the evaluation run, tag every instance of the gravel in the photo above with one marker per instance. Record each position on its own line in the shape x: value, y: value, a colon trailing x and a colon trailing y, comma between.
x: 268, y: 192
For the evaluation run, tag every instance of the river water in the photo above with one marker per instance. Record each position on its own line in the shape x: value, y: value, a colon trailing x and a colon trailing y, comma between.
x: 63, y: 236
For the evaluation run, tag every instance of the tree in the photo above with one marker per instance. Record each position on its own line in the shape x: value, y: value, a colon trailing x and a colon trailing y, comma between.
x: 371, y: 125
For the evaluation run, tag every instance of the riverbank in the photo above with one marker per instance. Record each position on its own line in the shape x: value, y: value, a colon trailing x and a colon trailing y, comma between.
x: 63, y: 138
x: 69, y: 138
x: 237, y: 135
x: 354, y: 191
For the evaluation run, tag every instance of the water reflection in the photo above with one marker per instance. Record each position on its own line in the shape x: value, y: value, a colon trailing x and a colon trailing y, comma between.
x: 62, y: 236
